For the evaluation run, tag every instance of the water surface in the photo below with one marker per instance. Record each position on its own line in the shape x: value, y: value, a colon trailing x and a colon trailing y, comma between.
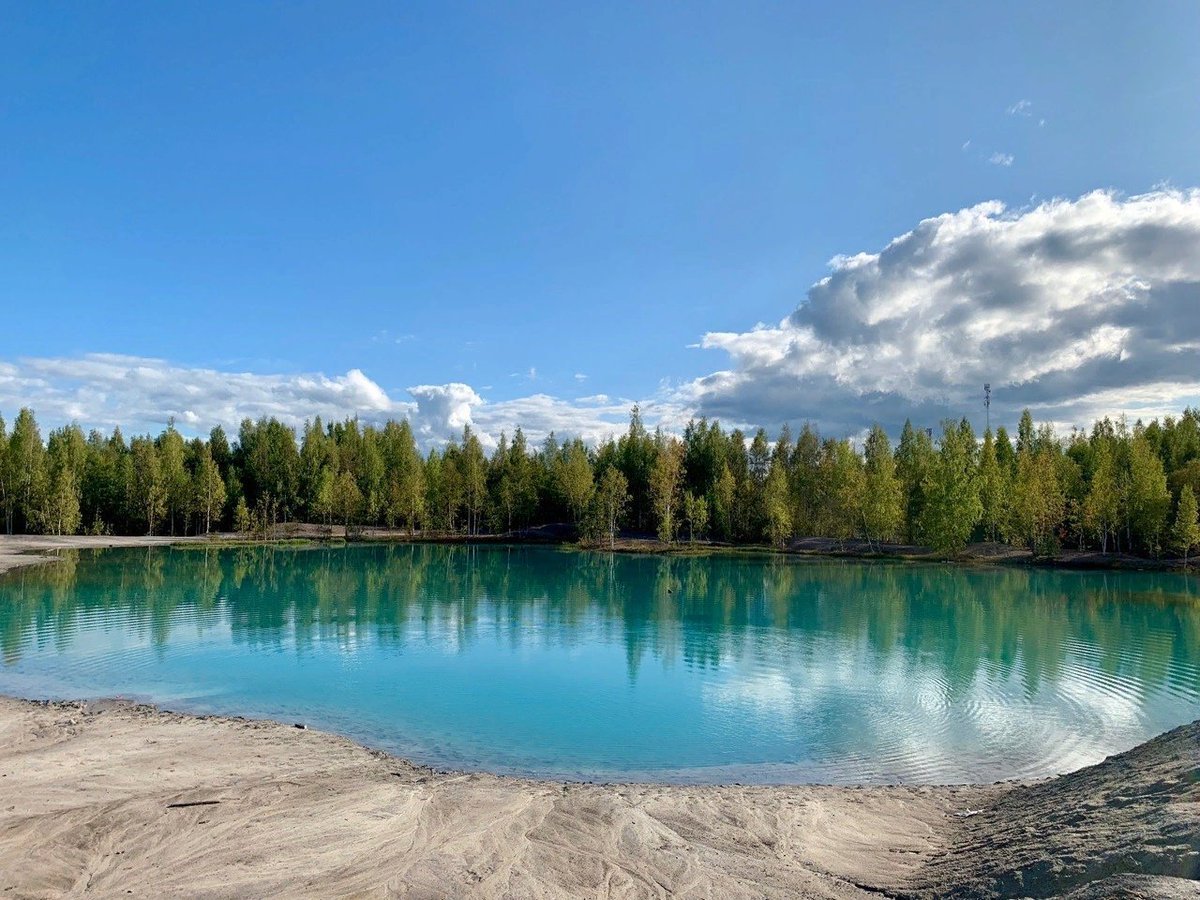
x: 589, y: 665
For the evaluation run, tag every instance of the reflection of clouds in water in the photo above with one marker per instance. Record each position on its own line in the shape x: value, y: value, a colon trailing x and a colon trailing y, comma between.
x: 767, y: 693
x: 910, y: 722
x: 1111, y: 700
x: 766, y: 671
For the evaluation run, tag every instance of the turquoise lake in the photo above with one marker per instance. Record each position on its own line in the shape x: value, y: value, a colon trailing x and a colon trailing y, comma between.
x: 557, y: 663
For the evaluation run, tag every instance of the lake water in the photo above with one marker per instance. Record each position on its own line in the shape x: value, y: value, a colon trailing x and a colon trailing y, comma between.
x: 589, y: 665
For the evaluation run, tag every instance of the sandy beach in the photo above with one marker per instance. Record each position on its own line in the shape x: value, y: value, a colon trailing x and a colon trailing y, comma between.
x: 18, y: 550
x: 109, y: 798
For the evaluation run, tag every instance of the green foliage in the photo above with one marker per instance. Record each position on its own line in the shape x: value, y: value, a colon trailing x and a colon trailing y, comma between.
x: 843, y: 485
x: 27, y: 471
x: 995, y: 489
x: 695, y: 515
x: 1117, y: 487
x: 1037, y: 498
x: 722, y: 495
x: 951, y: 504
x: 146, y: 490
x: 241, y: 517
x: 208, y: 489
x: 7, y: 475
x: 608, y: 506
x: 1102, y: 504
x: 665, y: 483
x: 1185, y: 530
x: 1149, y: 500
x: 882, y: 499
x: 914, y: 460
x: 573, y: 478
x: 777, y: 507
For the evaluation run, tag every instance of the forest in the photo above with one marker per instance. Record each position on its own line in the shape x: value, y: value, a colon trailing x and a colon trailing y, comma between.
x: 1117, y: 488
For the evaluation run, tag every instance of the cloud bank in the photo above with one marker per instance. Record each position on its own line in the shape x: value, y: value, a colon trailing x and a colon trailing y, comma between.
x: 1074, y: 308
x: 138, y: 393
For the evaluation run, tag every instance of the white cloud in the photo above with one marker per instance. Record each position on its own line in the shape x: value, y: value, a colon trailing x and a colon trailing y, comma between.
x: 106, y: 389
x: 141, y: 394
x: 1020, y: 108
x: 579, y: 376
x: 1074, y: 308
x: 1001, y: 159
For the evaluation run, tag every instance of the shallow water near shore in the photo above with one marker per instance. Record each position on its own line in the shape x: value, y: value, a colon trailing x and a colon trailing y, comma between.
x: 540, y: 661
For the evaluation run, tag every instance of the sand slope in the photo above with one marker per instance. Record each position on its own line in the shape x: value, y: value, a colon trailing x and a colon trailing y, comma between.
x: 86, y: 794
x: 90, y: 803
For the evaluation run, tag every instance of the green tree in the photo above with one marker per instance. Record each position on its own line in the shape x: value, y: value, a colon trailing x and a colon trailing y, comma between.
x: 995, y: 486
x: 611, y: 500
x: 1102, y: 504
x: 1149, y: 499
x: 724, y: 491
x: 66, y: 458
x: 147, y: 494
x: 1185, y: 530
x: 573, y: 478
x: 27, y: 465
x: 805, y: 468
x: 951, y: 492
x: 7, y: 476
x: 473, y: 471
x: 695, y: 514
x: 882, y: 500
x: 914, y: 459
x: 636, y: 454
x: 347, y: 499
x: 103, y: 489
x: 777, y: 506
x: 241, y: 517
x: 1037, y: 497
x: 843, y: 488
x: 208, y: 490
x: 318, y: 456
x: 62, y: 503
x: 406, y: 475
x: 665, y: 480
x: 177, y: 486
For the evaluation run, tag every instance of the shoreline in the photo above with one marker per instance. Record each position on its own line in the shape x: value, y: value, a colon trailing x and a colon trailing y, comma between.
x: 22, y: 550
x: 18, y: 551
x: 108, y: 796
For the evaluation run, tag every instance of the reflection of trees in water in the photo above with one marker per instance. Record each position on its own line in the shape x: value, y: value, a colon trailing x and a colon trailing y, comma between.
x: 696, y: 611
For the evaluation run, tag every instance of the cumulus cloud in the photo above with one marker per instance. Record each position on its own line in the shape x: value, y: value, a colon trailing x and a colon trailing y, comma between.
x: 1001, y: 159
x: 1074, y: 308
x: 142, y: 394
x: 104, y: 389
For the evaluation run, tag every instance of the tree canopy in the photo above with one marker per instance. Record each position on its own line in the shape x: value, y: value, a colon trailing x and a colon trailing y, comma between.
x: 1118, y: 487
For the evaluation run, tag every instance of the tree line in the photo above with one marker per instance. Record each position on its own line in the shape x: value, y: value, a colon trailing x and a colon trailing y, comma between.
x: 1115, y: 488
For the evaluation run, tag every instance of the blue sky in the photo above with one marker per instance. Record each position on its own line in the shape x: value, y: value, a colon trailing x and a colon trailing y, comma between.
x: 508, y: 196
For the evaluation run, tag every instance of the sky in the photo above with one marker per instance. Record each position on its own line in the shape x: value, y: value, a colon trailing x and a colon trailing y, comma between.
x: 494, y: 214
